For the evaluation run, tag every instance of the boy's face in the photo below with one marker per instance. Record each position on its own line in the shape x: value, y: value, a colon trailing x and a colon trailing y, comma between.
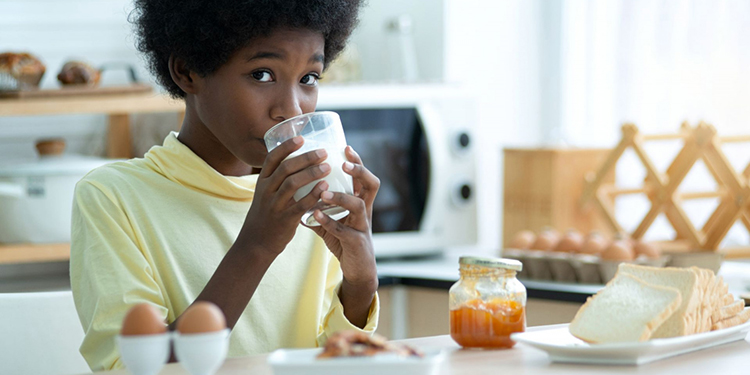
x: 272, y: 79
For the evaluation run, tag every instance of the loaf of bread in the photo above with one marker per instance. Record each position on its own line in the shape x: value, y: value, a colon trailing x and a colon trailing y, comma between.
x: 78, y: 73
x: 628, y: 309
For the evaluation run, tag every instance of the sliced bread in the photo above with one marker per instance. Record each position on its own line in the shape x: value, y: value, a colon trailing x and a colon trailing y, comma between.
x: 741, y: 318
x: 701, y: 316
x: 728, y: 311
x: 690, y: 286
x: 627, y: 309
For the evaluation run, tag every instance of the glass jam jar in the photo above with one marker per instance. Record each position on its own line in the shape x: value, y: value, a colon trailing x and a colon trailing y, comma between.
x: 487, y: 303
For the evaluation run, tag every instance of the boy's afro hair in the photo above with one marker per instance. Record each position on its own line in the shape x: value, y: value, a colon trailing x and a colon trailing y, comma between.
x: 205, y: 33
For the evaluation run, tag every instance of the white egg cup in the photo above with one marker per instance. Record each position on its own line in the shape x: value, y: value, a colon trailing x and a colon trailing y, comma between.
x: 201, y: 353
x: 144, y: 354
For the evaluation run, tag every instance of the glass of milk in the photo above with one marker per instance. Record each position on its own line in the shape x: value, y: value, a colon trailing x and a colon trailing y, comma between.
x: 319, y: 130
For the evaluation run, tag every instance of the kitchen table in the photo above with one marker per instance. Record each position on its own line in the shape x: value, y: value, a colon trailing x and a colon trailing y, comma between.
x: 727, y: 359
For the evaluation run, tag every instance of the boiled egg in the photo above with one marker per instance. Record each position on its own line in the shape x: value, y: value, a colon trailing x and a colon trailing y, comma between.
x: 201, y: 317
x: 143, y: 319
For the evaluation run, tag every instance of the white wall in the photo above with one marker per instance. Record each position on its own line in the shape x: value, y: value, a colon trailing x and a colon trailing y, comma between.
x: 494, y: 48
x: 379, y: 49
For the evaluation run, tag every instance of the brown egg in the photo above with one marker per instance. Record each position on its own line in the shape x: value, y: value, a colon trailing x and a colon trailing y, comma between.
x: 523, y: 240
x: 143, y: 319
x: 619, y: 250
x: 648, y: 249
x: 571, y: 242
x: 546, y: 240
x: 594, y: 244
x: 201, y: 317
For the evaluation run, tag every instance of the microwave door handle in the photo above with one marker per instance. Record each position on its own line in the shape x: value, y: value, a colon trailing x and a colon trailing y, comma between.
x: 436, y: 136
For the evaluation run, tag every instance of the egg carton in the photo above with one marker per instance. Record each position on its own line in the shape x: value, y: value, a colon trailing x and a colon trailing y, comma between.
x: 572, y: 268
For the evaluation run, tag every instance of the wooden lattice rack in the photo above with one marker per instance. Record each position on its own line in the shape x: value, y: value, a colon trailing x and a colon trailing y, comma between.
x: 661, y: 188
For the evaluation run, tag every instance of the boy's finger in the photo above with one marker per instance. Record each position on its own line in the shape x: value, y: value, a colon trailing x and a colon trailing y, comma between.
x: 335, y: 228
x: 355, y: 205
x: 291, y: 184
x: 310, y: 200
x: 278, y: 154
x: 289, y: 168
x: 352, y: 155
x: 370, y: 184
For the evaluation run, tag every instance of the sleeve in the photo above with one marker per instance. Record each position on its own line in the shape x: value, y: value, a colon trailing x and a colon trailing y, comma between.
x: 335, y: 320
x: 108, y: 273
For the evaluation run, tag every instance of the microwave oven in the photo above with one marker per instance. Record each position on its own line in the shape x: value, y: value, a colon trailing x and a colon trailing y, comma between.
x: 417, y: 140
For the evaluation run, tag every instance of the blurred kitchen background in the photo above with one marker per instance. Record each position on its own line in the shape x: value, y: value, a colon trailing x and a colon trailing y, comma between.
x: 527, y: 98
x: 536, y: 74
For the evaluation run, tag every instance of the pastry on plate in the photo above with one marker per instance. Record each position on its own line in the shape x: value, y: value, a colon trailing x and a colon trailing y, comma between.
x: 360, y: 344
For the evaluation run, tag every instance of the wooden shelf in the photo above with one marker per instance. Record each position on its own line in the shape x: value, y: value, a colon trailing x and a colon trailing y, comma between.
x: 34, y: 253
x: 117, y: 107
x: 105, y: 104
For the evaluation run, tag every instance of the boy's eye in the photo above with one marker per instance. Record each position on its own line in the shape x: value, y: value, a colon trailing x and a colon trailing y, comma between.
x: 310, y: 79
x: 262, y: 76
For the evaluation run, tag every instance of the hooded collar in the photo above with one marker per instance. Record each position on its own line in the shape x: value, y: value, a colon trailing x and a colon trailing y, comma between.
x: 180, y: 164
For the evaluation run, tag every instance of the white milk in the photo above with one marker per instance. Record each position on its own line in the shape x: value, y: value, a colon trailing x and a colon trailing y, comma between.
x: 338, y: 180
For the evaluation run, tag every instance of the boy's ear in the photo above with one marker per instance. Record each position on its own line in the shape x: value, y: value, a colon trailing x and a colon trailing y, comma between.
x: 181, y: 75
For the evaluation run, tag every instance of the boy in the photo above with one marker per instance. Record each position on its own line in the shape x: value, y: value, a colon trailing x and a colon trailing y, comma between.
x: 191, y: 222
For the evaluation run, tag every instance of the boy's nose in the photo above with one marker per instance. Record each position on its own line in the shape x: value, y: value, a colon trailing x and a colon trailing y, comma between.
x: 286, y: 106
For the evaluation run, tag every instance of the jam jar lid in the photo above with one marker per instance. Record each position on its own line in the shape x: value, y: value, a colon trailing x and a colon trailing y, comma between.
x: 510, y: 264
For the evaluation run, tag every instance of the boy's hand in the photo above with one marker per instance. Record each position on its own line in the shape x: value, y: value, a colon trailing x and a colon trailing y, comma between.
x: 274, y: 215
x: 350, y: 239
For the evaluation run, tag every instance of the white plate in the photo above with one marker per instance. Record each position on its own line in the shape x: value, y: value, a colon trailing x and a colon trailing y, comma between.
x: 561, y: 346
x: 303, y: 361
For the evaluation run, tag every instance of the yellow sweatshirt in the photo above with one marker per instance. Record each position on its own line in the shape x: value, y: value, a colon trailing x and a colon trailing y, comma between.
x: 155, y: 229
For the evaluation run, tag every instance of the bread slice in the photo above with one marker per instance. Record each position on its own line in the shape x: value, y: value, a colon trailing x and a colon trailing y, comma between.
x: 627, y: 309
x: 727, y: 299
x: 700, y: 319
x: 729, y: 311
x: 736, y: 320
x: 690, y: 284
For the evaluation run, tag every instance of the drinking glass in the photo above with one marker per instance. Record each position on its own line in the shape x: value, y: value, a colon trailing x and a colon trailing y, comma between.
x: 320, y: 130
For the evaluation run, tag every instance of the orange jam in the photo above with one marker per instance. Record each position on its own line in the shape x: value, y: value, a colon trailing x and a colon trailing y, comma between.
x: 487, y: 324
